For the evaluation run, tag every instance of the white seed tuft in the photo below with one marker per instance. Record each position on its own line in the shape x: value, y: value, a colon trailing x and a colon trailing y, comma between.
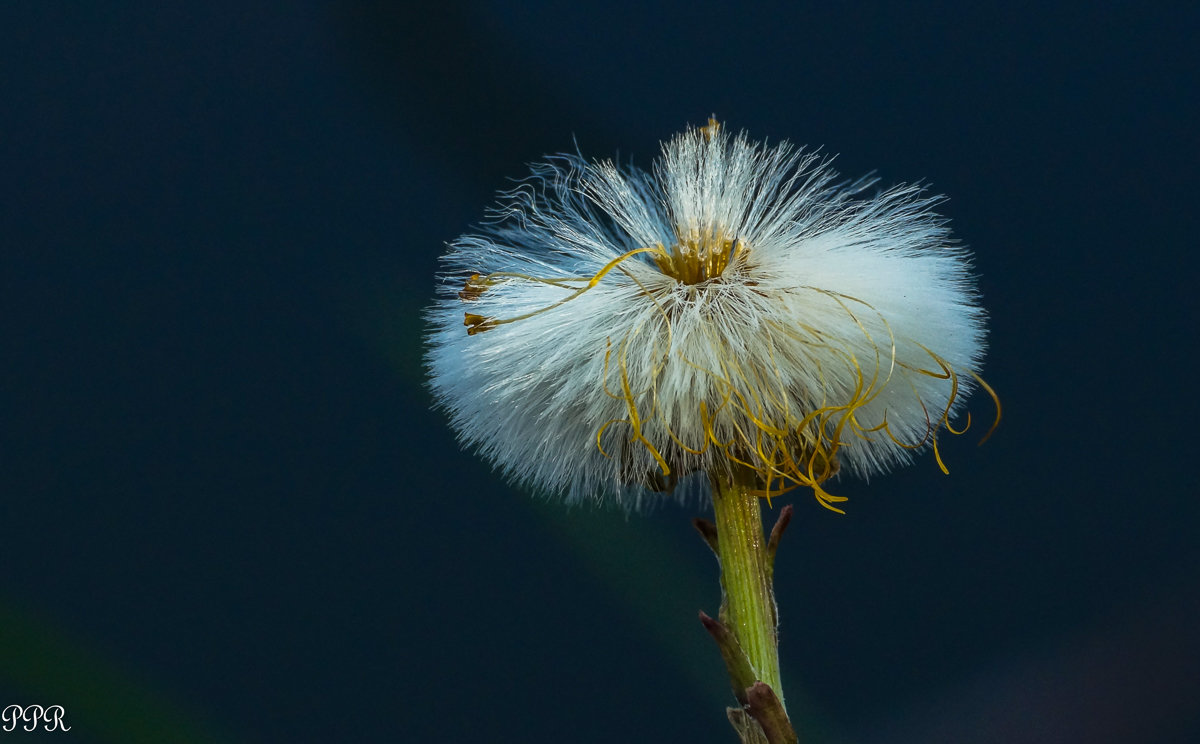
x: 613, y: 331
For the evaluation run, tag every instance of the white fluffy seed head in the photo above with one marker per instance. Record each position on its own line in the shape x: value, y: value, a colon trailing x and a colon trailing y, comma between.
x: 613, y: 331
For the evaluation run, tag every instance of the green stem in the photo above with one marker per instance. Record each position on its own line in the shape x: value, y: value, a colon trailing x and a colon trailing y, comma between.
x: 748, y: 609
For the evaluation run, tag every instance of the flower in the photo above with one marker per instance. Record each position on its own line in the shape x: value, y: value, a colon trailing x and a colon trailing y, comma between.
x: 737, y: 307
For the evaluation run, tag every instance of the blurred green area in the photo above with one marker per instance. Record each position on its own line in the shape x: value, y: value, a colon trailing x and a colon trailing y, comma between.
x: 104, y: 700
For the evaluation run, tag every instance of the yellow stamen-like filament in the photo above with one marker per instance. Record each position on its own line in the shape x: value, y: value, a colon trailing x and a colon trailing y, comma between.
x: 472, y: 290
x: 477, y: 323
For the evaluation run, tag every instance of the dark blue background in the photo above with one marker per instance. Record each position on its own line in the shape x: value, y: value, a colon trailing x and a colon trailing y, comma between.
x: 228, y: 514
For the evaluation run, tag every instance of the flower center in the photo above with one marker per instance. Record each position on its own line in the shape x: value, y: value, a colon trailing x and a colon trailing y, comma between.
x: 699, y: 255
